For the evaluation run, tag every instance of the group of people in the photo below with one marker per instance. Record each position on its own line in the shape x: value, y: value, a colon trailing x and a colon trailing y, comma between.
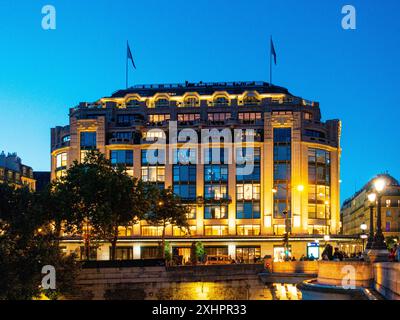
x: 333, y: 254
x: 394, y: 253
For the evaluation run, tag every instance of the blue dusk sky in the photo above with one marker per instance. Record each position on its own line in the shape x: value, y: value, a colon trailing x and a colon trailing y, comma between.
x: 354, y: 74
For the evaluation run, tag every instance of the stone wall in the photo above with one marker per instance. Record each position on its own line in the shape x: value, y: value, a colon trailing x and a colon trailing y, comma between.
x: 161, y: 282
x: 306, y: 267
x: 345, y: 273
x: 387, y: 279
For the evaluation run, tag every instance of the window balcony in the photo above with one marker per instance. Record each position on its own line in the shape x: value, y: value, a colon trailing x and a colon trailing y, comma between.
x: 120, y: 141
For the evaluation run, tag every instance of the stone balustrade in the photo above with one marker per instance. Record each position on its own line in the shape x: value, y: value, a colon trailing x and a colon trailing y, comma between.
x: 304, y: 267
x: 387, y: 279
x: 348, y: 274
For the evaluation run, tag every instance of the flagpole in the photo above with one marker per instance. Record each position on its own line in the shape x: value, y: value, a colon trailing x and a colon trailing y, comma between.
x: 126, y: 66
x: 270, y: 61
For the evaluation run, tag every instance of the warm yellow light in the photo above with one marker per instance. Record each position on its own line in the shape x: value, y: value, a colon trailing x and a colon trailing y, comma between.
x: 274, y: 190
x: 160, y: 203
x: 300, y: 188
x: 327, y: 237
x: 372, y: 197
x: 363, y: 227
x: 267, y: 221
x: 380, y: 184
x: 296, y: 221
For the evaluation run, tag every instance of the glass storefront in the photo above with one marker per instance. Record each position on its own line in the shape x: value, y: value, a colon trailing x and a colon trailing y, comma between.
x: 248, y: 254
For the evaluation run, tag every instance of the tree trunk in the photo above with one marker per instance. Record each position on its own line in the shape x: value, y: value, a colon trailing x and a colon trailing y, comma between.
x: 58, y: 228
x: 163, y: 242
x: 114, y: 245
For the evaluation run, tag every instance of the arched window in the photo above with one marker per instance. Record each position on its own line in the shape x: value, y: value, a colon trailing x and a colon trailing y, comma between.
x: 221, y: 101
x: 133, y: 103
x: 191, y: 102
x: 162, y: 102
x: 251, y: 100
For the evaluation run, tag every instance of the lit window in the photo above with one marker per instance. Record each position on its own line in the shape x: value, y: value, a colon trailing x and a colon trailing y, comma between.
x: 216, y: 230
x: 185, y: 117
x: 154, y: 118
x: 181, y: 232
x: 61, y: 160
x: 153, y: 174
x: 61, y: 173
x: 152, y: 231
x: 248, y: 230
x: 154, y: 134
x: 215, y: 211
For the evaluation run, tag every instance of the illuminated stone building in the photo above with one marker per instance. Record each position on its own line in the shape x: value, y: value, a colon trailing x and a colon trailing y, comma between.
x: 296, y: 165
x: 14, y: 173
x: 356, y: 211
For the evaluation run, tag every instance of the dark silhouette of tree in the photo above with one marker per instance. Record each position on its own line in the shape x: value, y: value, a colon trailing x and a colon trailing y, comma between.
x: 166, y: 209
x: 98, y: 198
x: 27, y: 243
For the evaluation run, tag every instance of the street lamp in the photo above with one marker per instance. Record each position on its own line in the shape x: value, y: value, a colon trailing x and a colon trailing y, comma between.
x: 372, y: 201
x: 299, y: 188
x: 363, y: 236
x: 378, y: 250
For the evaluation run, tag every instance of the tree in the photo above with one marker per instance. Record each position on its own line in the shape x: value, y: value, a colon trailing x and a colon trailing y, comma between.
x: 98, y: 198
x: 26, y: 245
x: 166, y: 209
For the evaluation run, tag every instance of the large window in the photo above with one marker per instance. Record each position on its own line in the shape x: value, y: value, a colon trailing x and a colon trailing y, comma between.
x: 185, y: 191
x: 248, y: 210
x: 184, y: 174
x: 151, y: 231
x: 88, y: 140
x: 153, y: 174
x: 249, y: 117
x: 126, y: 135
x: 61, y: 160
x: 282, y: 172
x: 215, y: 211
x: 318, y: 184
x: 123, y: 253
x: 248, y: 254
x: 218, y: 118
x: 181, y: 232
x: 248, y: 230
x: 215, y: 173
x: 153, y: 168
x: 150, y: 252
x: 220, y: 230
x: 215, y: 176
x: 122, y: 157
x: 186, y: 117
x: 126, y: 120
x: 215, y: 191
x: 158, y: 118
x: 248, y: 187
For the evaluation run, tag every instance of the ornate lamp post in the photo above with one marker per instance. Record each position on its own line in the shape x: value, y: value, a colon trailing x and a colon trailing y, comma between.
x: 372, y: 201
x: 363, y: 236
x: 300, y: 188
x: 378, y: 250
